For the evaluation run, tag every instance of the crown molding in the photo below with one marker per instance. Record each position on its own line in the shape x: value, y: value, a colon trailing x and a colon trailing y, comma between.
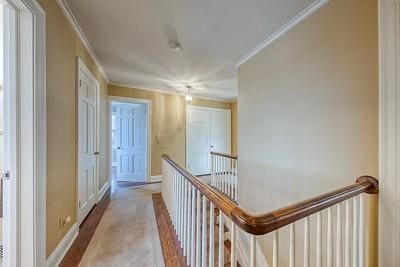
x: 78, y: 30
x: 308, y: 11
x: 233, y: 100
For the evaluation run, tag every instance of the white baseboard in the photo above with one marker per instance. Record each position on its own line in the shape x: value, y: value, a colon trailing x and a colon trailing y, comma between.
x: 59, y: 252
x: 155, y: 178
x: 103, y: 190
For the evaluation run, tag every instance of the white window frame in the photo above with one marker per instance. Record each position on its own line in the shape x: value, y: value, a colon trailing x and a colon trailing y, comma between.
x: 25, y: 95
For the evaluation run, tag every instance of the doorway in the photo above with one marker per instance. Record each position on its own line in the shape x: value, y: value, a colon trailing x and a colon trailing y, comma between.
x: 23, y: 133
x: 130, y: 137
x: 207, y: 129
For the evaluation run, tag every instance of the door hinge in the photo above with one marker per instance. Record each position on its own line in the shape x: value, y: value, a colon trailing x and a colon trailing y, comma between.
x: 6, y: 175
x: 80, y: 82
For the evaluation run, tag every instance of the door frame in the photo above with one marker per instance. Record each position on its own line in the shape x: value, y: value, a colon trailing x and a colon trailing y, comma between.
x: 188, y: 107
x: 26, y: 58
x: 130, y: 100
x: 82, y: 66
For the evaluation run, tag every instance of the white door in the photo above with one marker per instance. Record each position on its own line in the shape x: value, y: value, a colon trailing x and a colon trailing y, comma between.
x: 131, y: 142
x: 198, y: 141
x: 221, y: 130
x: 87, y: 144
x: 208, y: 129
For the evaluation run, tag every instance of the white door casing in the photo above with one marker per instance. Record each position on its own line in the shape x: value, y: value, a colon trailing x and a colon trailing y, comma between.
x: 88, y: 90
x: 25, y: 134
x: 131, y: 124
x: 207, y: 129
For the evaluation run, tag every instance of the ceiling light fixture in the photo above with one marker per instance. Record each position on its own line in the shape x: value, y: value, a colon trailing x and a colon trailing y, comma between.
x: 188, y: 96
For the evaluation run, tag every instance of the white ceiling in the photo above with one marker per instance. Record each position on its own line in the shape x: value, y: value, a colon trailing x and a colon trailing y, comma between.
x: 128, y: 38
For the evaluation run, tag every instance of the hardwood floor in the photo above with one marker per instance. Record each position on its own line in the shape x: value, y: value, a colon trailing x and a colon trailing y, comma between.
x: 172, y: 252
x: 86, y: 232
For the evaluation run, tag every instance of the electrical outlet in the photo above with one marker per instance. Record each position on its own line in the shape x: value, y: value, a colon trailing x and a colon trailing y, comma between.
x: 62, y: 221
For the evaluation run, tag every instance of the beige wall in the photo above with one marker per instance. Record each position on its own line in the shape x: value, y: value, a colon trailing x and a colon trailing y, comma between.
x: 309, y: 108
x: 234, y: 127
x: 168, y: 122
x: 63, y: 46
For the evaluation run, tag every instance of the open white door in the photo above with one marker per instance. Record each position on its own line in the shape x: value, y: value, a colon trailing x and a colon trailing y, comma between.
x: 87, y: 142
x: 131, y: 137
x: 207, y: 129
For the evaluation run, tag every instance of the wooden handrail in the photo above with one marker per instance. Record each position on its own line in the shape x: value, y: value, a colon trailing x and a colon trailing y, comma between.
x: 268, y: 222
x: 224, y: 155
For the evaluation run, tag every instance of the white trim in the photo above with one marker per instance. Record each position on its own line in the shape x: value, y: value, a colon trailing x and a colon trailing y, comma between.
x: 122, y: 99
x: 308, y: 11
x: 389, y: 132
x: 102, y: 191
x: 29, y: 180
x: 156, y: 178
x: 174, y: 93
x: 78, y: 30
x: 59, y: 252
x: 81, y: 66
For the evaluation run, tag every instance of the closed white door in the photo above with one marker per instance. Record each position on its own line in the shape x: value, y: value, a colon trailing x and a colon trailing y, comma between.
x: 131, y: 142
x: 208, y: 129
x: 221, y: 131
x: 198, y: 141
x: 87, y: 144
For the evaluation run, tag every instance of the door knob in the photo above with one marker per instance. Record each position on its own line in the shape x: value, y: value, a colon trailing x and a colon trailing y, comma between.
x: 96, y: 153
x: 118, y: 147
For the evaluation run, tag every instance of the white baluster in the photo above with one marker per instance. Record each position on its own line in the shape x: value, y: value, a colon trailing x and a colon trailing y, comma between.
x: 212, y: 223
x: 236, y: 181
x: 189, y: 223
x: 253, y: 251
x: 319, y: 240
x: 204, y: 232
x: 292, y: 245
x: 361, y: 233
x: 275, y: 249
x: 192, y: 235
x: 347, y: 238
x: 233, y: 244
x: 221, y: 240
x: 306, y: 242
x: 355, y: 232
x: 339, y: 236
x: 223, y: 175
x: 212, y: 170
x: 182, y: 209
x: 198, y: 230
x: 179, y: 207
x: 176, y: 201
x: 218, y: 172
x: 230, y: 178
x: 329, y: 248
x: 184, y: 242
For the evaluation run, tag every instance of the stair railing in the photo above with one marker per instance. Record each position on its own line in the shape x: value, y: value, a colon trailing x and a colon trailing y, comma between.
x: 224, y: 174
x: 187, y: 199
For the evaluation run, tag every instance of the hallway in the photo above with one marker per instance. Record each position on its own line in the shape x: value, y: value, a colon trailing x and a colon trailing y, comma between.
x: 127, y: 234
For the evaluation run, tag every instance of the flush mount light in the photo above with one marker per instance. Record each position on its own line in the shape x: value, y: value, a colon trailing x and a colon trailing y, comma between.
x: 188, y: 97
